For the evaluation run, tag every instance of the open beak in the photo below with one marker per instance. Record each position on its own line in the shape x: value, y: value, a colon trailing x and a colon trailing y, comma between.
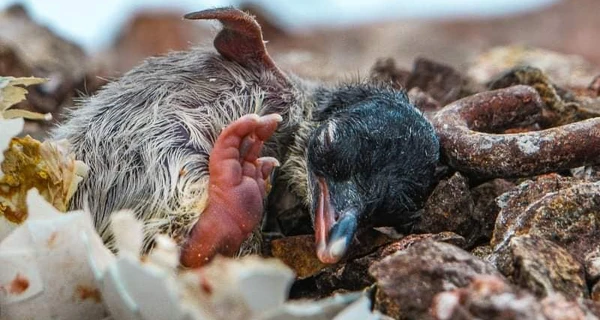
x: 334, y: 231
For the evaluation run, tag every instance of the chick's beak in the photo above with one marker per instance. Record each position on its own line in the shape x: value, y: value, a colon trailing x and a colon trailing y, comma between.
x: 334, y: 231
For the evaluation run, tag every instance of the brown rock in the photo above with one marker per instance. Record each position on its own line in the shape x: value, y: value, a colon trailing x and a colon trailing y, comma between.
x: 560, y: 105
x: 440, y: 81
x: 299, y: 252
x: 514, y: 202
x: 486, y: 209
x: 448, y: 208
x: 542, y: 267
x: 385, y: 71
x: 557, y: 307
x: 354, y: 274
x: 595, y: 85
x: 412, y: 239
x: 423, y: 101
x: 565, y: 70
x: 587, y: 173
x: 482, y: 252
x: 592, y: 265
x: 569, y: 218
x: 487, y: 297
x: 595, y: 292
x: 30, y: 49
x: 408, y: 280
x: 452, y: 207
x: 592, y: 271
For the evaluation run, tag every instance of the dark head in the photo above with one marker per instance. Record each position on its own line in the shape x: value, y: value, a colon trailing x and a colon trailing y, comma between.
x: 370, y: 161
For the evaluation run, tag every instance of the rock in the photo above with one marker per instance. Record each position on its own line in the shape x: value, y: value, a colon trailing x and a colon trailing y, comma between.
x: 592, y: 271
x: 561, y: 106
x: 587, y: 173
x: 514, y: 202
x: 412, y: 239
x: 569, y: 217
x: 482, y: 252
x: 28, y: 48
x: 565, y: 70
x: 542, y: 267
x: 448, y: 208
x: 452, y: 207
x: 385, y: 71
x: 557, y: 307
x: 354, y: 274
x: 440, y: 81
x: 298, y: 252
x: 595, y: 292
x: 489, y: 297
x: 592, y: 265
x: 423, y: 101
x: 408, y: 280
x: 486, y: 209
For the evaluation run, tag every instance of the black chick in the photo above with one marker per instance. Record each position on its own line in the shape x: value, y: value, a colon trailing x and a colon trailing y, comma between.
x: 370, y: 162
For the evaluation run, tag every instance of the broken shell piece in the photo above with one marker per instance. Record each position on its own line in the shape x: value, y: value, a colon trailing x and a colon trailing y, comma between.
x: 128, y: 233
x: 349, y: 306
x: 8, y: 129
x: 151, y: 287
x: 48, y: 167
x: 261, y: 284
x: 136, y: 290
x: 44, y: 273
x: 11, y: 93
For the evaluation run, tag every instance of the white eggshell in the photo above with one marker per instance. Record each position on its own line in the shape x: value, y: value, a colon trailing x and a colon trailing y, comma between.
x: 45, y: 273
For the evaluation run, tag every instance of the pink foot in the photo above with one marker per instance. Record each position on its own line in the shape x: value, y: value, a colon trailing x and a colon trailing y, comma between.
x: 237, y: 186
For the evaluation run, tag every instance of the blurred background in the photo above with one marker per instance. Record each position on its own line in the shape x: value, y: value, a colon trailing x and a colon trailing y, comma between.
x: 79, y: 45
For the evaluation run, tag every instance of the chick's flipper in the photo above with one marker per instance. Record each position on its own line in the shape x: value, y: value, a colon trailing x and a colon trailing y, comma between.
x: 238, y: 182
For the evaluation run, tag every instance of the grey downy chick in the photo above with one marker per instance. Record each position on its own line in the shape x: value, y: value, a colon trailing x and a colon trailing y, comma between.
x: 188, y: 142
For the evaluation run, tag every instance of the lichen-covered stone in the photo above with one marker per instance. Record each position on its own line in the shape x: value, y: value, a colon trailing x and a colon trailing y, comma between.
x: 408, y: 280
x: 569, y: 217
x: 587, y: 173
x: 542, y: 267
x: 514, y: 202
x: 482, y: 252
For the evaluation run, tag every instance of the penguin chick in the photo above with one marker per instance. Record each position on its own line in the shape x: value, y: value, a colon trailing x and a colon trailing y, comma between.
x: 371, y: 162
x: 188, y: 141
